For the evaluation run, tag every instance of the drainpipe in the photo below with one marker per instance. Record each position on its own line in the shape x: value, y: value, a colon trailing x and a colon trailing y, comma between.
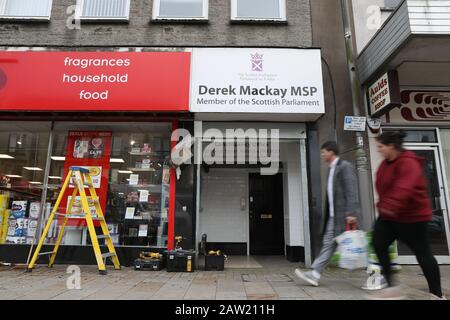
x: 361, y: 156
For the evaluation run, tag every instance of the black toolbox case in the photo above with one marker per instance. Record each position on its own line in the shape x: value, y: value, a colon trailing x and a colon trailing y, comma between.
x: 214, y: 262
x: 180, y: 261
x: 149, y: 264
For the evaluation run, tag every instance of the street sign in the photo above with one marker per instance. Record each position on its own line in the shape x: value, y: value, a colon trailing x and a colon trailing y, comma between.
x: 355, y: 123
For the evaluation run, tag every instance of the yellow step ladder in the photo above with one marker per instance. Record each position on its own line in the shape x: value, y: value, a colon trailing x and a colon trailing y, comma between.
x: 81, y: 179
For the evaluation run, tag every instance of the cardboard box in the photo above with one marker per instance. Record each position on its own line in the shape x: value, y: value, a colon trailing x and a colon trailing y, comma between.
x: 19, y: 209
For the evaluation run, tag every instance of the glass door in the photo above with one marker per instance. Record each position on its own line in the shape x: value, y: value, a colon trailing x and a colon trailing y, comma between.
x: 438, y: 229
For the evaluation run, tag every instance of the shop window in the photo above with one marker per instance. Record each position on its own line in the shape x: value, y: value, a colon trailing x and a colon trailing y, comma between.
x: 274, y: 10
x: 23, y: 154
x: 103, y: 9
x: 180, y: 9
x: 418, y: 136
x: 25, y: 9
x: 132, y: 166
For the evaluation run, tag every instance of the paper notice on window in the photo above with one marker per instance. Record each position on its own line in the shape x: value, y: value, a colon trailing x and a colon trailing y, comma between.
x: 143, y: 230
x: 134, y: 179
x: 143, y: 196
x: 129, y: 213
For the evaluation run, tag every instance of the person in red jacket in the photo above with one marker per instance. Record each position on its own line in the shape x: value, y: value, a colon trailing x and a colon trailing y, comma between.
x: 404, y: 210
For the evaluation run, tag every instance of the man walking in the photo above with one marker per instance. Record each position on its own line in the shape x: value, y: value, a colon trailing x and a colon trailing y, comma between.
x: 342, y: 207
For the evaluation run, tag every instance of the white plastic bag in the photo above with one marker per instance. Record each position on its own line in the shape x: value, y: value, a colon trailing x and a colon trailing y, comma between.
x: 352, y: 248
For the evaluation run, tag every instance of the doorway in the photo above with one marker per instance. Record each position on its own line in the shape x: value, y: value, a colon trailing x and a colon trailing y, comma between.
x: 266, y: 218
x: 438, y: 228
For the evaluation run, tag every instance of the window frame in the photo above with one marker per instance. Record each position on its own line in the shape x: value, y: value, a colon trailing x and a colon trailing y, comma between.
x: 282, y: 18
x: 3, y: 16
x: 79, y: 12
x: 157, y: 17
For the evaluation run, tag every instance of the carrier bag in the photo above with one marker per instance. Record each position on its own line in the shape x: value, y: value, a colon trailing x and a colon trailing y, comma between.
x: 352, y: 248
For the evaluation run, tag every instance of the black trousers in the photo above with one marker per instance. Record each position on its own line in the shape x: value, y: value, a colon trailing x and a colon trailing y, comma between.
x: 415, y: 236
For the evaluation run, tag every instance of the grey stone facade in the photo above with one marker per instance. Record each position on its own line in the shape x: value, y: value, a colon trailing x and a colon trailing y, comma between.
x: 141, y: 31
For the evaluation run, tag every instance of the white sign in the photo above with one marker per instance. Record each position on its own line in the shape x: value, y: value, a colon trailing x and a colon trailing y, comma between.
x: 257, y: 80
x: 355, y: 123
x: 143, y: 228
x: 143, y: 195
x: 129, y: 213
x: 384, y: 94
x: 374, y: 125
x: 134, y: 179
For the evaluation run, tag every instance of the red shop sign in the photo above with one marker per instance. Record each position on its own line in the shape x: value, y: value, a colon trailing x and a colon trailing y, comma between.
x: 94, y: 81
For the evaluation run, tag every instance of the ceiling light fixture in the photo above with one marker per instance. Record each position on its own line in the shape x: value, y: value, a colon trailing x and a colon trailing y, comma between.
x: 32, y: 168
x: 58, y: 158
x: 116, y: 160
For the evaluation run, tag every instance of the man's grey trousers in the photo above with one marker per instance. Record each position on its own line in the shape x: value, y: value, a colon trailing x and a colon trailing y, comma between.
x: 329, y: 246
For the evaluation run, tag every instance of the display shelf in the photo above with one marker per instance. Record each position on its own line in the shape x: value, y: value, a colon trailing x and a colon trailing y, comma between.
x: 148, y: 153
x: 19, y: 191
x: 142, y: 169
x: 141, y: 153
x: 143, y: 186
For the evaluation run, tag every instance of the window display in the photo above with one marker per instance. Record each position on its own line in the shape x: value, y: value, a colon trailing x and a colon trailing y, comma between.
x: 23, y: 153
x: 129, y: 163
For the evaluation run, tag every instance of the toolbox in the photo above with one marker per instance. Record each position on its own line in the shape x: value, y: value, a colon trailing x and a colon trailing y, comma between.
x: 180, y: 261
x: 215, y: 262
x: 149, y: 261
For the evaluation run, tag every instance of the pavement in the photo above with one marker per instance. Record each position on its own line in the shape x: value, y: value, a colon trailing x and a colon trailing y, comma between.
x: 244, y: 278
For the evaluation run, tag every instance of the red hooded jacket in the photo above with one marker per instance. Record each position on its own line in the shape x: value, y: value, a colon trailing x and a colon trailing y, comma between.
x: 403, y: 189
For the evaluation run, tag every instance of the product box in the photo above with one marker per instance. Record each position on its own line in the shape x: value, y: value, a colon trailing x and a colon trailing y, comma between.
x: 4, y: 214
x: 214, y: 262
x: 15, y: 227
x: 19, y: 209
x: 31, y: 230
x: 35, y: 211
x: 180, y: 261
x: 16, y: 240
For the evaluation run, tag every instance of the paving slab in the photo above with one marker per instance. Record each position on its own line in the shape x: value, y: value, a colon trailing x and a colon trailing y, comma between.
x: 272, y: 278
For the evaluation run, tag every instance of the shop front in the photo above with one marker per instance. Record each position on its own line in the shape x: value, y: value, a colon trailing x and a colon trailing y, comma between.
x: 243, y: 112
x: 251, y: 139
x: 408, y: 87
x: 110, y: 112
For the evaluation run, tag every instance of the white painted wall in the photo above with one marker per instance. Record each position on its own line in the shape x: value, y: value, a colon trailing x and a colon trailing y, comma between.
x: 221, y: 215
x: 369, y: 16
x: 293, y: 210
x: 375, y: 161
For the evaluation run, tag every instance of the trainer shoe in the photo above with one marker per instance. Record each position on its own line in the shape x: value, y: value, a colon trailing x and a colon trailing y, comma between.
x: 307, y: 277
x: 375, y: 282
x: 390, y: 293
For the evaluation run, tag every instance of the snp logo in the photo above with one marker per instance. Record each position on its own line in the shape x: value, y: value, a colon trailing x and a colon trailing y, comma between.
x: 74, y: 281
